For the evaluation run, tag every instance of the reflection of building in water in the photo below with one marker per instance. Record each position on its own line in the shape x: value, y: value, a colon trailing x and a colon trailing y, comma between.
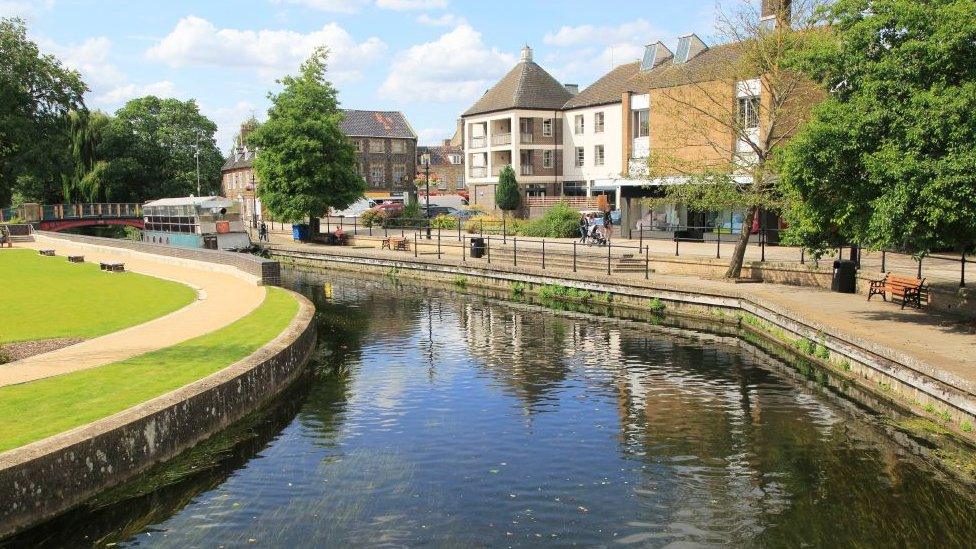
x: 516, y: 347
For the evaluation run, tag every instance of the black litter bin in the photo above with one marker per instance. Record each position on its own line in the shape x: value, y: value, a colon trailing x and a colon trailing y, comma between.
x: 845, y: 276
x: 477, y: 247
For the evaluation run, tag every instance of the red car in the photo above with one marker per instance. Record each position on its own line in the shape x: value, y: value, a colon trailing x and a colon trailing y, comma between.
x: 389, y: 207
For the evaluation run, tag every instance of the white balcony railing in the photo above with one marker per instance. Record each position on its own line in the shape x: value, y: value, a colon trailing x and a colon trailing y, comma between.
x: 478, y: 142
x: 527, y: 169
x: 479, y: 171
x: 527, y: 137
x: 501, y: 139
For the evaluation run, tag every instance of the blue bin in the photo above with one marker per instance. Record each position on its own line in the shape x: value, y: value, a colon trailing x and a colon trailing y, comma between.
x: 299, y: 232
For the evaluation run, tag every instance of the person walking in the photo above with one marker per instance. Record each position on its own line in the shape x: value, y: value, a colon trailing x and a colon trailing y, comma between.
x: 607, y: 224
x: 263, y: 232
x: 584, y: 225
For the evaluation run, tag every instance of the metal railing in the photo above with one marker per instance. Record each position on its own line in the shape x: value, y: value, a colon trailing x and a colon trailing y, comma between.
x: 526, y: 137
x: 478, y: 142
x: 526, y: 169
x: 479, y: 171
x: 55, y: 212
x: 764, y: 246
x: 501, y: 139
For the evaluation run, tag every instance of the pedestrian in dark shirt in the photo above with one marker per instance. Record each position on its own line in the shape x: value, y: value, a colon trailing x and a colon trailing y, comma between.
x: 607, y: 223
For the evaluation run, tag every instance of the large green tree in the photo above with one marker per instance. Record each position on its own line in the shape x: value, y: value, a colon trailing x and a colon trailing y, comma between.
x: 36, y: 94
x: 305, y: 164
x: 889, y: 160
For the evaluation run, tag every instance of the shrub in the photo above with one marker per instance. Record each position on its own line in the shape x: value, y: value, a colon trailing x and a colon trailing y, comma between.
x: 444, y: 222
x: 560, y: 221
x: 371, y: 218
x: 656, y: 305
x: 488, y: 224
x: 518, y: 288
x: 4, y: 355
x: 461, y: 281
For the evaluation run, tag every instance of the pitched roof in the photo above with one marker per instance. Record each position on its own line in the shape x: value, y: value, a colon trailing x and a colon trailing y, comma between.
x: 711, y: 64
x: 358, y: 123
x: 526, y: 86
x: 438, y: 154
x: 242, y: 157
x: 608, y: 89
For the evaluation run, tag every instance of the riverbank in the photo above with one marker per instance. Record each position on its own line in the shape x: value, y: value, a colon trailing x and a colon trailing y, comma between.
x: 116, y: 416
x: 911, y: 356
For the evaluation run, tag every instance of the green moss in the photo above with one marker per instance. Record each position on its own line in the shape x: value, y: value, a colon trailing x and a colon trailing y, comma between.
x: 461, y: 281
x: 48, y: 297
x: 45, y: 407
x: 966, y: 427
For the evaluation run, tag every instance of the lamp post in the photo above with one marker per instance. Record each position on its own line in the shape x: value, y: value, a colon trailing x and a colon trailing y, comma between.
x: 254, y: 201
x: 425, y: 162
x: 197, y: 155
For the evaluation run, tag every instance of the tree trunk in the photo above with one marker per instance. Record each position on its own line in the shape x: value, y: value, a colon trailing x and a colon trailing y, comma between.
x: 735, y: 265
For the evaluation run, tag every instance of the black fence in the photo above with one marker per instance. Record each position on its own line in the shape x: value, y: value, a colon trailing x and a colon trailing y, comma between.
x: 764, y: 244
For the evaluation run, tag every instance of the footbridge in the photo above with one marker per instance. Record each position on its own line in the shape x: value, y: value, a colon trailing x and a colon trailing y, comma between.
x: 60, y: 217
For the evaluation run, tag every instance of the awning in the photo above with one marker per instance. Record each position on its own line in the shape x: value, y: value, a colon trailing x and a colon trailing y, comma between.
x: 618, y: 182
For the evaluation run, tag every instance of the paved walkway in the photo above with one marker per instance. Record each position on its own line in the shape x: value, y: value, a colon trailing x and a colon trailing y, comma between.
x: 223, y: 299
x: 940, y: 341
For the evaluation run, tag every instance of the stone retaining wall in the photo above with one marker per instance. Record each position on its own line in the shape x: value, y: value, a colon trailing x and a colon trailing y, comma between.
x: 267, y: 271
x: 43, y: 479
x: 876, y: 368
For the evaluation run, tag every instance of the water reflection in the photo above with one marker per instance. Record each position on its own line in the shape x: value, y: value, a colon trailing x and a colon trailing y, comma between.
x: 455, y: 421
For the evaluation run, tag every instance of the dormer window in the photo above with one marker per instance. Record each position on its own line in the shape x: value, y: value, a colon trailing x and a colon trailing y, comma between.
x: 654, y: 55
x: 689, y: 47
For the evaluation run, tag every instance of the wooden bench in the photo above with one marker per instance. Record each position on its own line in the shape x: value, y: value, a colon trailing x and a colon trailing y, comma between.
x: 76, y: 258
x: 112, y: 267
x: 395, y: 243
x: 46, y: 252
x: 908, y: 289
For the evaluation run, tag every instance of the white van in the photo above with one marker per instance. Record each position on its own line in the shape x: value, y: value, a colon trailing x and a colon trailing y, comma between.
x: 357, y: 208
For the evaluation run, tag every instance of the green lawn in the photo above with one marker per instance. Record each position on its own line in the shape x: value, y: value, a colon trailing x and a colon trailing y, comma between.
x: 47, y: 297
x: 35, y: 410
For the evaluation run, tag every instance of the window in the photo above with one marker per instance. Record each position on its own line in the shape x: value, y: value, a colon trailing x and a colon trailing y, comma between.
x: 399, y: 146
x: 376, y: 174
x: 747, y: 114
x: 376, y: 146
x: 598, y: 122
x: 454, y: 158
x: 547, y: 127
x: 399, y: 170
x: 580, y: 156
x: 598, y: 155
x: 547, y: 159
x: 359, y: 145
x: 460, y: 181
x: 640, y: 123
x: 579, y: 124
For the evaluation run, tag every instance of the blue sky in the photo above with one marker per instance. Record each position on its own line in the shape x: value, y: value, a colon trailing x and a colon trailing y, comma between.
x: 428, y: 58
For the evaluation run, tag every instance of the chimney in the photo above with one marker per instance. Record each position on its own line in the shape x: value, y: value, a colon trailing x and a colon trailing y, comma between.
x: 526, y: 54
x: 446, y: 143
x: 775, y: 13
x: 572, y: 88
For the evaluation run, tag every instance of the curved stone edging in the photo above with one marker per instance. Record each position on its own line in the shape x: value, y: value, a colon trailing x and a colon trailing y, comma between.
x: 879, y: 364
x: 45, y: 478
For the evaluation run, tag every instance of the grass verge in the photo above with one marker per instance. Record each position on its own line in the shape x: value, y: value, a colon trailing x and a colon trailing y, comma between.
x: 47, y: 297
x: 45, y: 407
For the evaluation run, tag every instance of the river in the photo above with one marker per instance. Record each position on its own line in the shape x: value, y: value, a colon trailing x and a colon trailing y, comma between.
x: 442, y: 419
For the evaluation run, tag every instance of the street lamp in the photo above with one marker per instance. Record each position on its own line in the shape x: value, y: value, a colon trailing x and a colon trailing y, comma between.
x: 197, y: 155
x: 425, y: 162
x: 254, y: 201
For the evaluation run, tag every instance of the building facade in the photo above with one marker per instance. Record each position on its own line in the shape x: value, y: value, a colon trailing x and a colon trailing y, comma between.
x: 446, y: 168
x: 386, y: 151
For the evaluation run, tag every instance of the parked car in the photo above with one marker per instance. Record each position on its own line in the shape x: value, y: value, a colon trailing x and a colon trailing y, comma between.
x: 356, y: 209
x: 440, y: 210
x: 388, y: 207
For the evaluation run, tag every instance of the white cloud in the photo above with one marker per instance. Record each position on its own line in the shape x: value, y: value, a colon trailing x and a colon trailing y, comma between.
x: 338, y: 6
x: 433, y: 136
x: 120, y: 94
x: 402, y: 5
x: 229, y: 119
x: 197, y: 42
x: 25, y: 9
x: 446, y: 20
x: 456, y: 66
x: 639, y: 32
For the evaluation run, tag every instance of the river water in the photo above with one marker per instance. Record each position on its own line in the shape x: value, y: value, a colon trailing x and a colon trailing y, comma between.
x: 450, y: 420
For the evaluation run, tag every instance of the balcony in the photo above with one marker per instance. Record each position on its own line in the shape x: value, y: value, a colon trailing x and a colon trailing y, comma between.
x: 478, y: 142
x: 527, y: 169
x: 501, y: 139
x: 479, y: 171
x: 527, y: 137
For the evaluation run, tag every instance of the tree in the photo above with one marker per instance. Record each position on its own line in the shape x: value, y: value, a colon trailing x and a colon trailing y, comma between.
x: 889, y: 159
x: 36, y: 95
x: 724, y: 124
x: 507, y: 195
x: 306, y: 165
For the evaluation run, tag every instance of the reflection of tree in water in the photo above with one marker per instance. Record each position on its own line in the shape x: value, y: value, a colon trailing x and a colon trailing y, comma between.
x: 521, y: 349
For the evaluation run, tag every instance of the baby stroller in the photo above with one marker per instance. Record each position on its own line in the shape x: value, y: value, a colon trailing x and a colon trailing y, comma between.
x: 595, y: 236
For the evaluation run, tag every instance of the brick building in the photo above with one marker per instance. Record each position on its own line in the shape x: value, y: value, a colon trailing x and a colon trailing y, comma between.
x: 446, y: 167
x: 386, y: 150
